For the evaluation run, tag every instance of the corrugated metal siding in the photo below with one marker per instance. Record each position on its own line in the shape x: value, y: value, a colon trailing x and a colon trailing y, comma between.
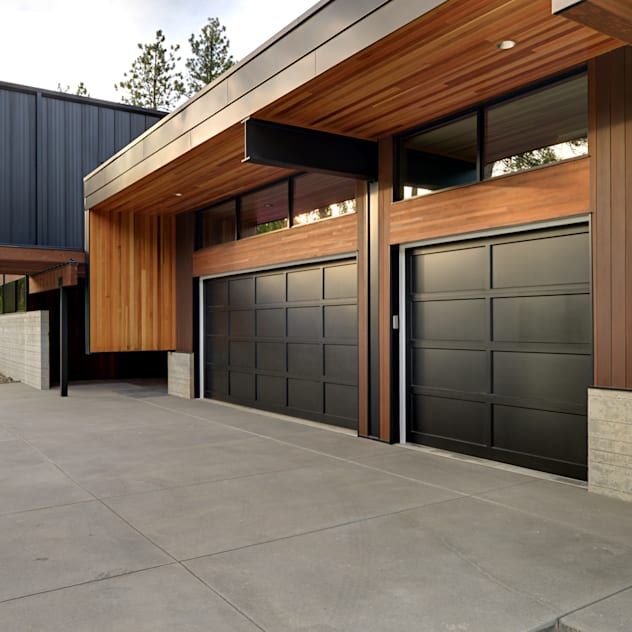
x: 47, y: 145
x: 17, y: 168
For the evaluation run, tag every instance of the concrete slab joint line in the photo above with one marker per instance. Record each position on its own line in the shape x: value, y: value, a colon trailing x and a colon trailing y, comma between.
x: 228, y: 519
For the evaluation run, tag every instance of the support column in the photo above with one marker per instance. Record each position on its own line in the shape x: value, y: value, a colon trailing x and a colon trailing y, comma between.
x: 375, y: 305
x: 63, y: 341
x: 610, y: 404
x: 181, y: 363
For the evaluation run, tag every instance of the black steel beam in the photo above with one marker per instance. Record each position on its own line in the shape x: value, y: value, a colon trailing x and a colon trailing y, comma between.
x: 291, y: 147
x: 63, y: 341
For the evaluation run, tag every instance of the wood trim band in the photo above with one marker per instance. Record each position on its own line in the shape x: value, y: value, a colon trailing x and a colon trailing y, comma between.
x: 322, y: 239
x: 543, y: 194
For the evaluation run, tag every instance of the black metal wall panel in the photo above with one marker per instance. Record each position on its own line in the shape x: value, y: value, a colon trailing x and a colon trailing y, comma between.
x: 17, y: 168
x: 500, y: 348
x: 285, y: 340
x: 50, y: 141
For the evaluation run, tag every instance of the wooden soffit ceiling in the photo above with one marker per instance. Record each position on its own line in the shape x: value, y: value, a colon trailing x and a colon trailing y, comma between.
x: 436, y: 65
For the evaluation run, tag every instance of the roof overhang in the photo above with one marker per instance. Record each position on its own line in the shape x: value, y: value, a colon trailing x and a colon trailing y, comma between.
x: 612, y: 17
x: 323, y: 37
x: 362, y: 69
x: 30, y: 260
x: 62, y: 275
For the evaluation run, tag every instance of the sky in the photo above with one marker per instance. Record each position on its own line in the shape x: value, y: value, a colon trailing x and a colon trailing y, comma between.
x: 46, y: 42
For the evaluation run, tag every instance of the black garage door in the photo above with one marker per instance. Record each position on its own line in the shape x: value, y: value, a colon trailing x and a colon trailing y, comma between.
x: 500, y: 348
x: 285, y: 341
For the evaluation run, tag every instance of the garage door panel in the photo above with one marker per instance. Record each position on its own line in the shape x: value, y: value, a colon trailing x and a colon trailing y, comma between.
x: 305, y: 359
x: 271, y: 390
x: 270, y: 323
x: 273, y: 354
x: 457, y: 320
x: 270, y: 289
x: 241, y: 292
x: 556, y: 378
x: 342, y: 401
x: 459, y: 269
x: 242, y: 385
x: 216, y: 323
x: 500, y: 347
x: 242, y: 354
x: 305, y: 322
x: 559, y: 260
x: 341, y: 282
x: 217, y: 293
x: 242, y: 323
x: 551, y: 435
x: 216, y: 351
x: 216, y: 381
x: 458, y: 420
x: 305, y: 395
x: 304, y: 285
x: 559, y: 319
x: 453, y: 369
x: 341, y: 363
x: 341, y: 321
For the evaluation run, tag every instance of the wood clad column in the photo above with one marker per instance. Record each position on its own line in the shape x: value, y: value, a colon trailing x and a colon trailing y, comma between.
x: 185, y: 243
x: 374, y: 306
x: 611, y: 180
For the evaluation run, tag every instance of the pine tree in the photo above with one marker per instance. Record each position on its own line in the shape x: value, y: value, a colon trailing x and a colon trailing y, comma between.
x: 210, y: 56
x: 153, y: 81
x: 80, y: 90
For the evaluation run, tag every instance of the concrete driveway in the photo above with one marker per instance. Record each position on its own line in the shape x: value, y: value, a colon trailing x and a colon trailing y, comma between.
x: 122, y: 509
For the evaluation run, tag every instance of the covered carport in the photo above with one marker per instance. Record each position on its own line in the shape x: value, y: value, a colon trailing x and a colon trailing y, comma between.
x: 26, y: 320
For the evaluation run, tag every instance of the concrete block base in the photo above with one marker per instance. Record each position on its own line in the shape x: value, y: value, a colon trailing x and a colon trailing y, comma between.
x: 24, y: 348
x: 610, y: 442
x: 181, y: 378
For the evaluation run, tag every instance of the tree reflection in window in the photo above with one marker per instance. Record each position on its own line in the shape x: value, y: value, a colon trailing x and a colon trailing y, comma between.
x: 321, y: 196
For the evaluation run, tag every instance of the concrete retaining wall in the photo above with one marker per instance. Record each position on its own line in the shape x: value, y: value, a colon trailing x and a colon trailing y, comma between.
x: 24, y: 348
x: 181, y: 375
x: 610, y: 442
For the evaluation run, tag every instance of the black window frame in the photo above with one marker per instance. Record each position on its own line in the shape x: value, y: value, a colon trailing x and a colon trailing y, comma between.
x: 288, y: 180
x: 480, y: 111
x: 14, y: 295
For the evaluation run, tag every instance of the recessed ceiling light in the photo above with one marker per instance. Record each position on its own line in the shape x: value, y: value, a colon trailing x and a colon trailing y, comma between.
x: 178, y: 194
x: 267, y: 205
x: 505, y: 45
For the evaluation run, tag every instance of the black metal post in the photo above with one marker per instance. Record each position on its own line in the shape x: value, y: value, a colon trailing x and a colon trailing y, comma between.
x: 63, y: 342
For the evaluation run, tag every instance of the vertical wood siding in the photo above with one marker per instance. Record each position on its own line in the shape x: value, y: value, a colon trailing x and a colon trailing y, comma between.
x: 611, y: 179
x: 132, y: 282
